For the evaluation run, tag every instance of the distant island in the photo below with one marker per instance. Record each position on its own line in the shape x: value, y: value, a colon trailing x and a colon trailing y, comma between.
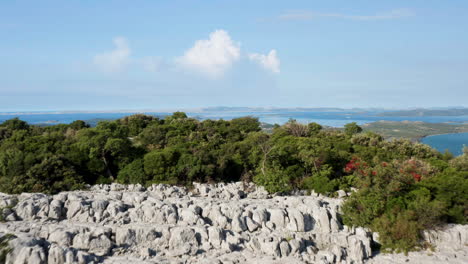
x: 384, y: 112
x: 413, y: 130
x: 427, y: 112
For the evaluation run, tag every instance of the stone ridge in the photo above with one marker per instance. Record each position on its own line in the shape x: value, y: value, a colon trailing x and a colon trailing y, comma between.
x: 220, y: 223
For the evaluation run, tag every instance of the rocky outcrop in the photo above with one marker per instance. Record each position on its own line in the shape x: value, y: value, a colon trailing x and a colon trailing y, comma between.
x: 222, y: 223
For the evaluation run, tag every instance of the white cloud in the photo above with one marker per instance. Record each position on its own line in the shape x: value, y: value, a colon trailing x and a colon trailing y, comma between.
x: 308, y: 15
x: 297, y: 15
x: 270, y: 61
x: 212, y: 56
x: 115, y: 60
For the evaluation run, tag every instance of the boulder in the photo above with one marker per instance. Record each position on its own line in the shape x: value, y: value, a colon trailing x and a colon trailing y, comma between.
x: 215, y: 236
x: 100, y: 245
x: 183, y: 241
x: 238, y: 224
x: 284, y: 248
x: 277, y: 217
x: 56, y: 255
x: 32, y: 207
x: 56, y: 210
x: 61, y: 237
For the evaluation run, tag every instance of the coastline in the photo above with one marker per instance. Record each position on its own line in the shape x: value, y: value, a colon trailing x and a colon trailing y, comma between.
x: 432, y: 135
x: 451, y: 149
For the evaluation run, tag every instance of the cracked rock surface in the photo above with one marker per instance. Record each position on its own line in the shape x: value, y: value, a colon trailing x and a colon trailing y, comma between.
x: 221, y: 223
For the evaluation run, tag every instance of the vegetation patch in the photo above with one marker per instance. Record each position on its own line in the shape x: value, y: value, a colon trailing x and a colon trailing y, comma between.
x: 4, y: 247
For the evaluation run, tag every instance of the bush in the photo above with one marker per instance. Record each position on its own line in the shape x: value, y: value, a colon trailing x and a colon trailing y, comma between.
x: 51, y: 176
x: 320, y: 182
x: 160, y: 166
x: 363, y: 207
x: 398, y: 231
x: 274, y: 180
x: 133, y: 173
x: 5, y: 248
x: 352, y: 128
x: 461, y: 162
x: 402, y: 198
x: 450, y: 188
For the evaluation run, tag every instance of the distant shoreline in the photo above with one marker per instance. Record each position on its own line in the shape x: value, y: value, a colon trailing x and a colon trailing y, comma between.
x: 454, y: 147
x: 383, y: 112
x: 426, y: 136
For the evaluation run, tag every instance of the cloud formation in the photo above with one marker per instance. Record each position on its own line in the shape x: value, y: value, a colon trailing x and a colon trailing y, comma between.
x: 212, y: 56
x: 115, y: 60
x: 309, y: 15
x: 270, y: 61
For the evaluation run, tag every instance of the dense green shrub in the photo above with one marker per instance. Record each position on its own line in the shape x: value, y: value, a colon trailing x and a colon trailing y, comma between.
x: 321, y: 181
x: 274, y: 180
x: 5, y: 248
x: 450, y: 188
x: 461, y: 162
x: 400, y: 199
x: 133, y: 173
x: 160, y: 165
x: 352, y: 128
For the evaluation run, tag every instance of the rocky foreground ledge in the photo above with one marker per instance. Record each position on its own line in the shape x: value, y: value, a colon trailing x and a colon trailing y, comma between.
x: 222, y: 223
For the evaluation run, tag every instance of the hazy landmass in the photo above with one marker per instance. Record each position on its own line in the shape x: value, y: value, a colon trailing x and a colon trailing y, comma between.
x: 427, y: 112
x: 413, y: 130
x: 449, y: 111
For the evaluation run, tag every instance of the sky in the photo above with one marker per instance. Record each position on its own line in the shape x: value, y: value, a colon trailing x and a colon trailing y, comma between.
x: 113, y: 55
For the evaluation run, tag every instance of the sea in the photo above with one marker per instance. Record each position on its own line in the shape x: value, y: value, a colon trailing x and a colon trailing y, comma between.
x: 453, y: 142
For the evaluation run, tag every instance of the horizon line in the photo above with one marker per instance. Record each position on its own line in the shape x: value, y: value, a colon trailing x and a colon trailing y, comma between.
x: 204, y: 109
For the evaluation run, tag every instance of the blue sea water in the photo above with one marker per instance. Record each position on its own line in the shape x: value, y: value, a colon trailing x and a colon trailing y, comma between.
x: 67, y: 118
x: 334, y: 119
x: 451, y: 142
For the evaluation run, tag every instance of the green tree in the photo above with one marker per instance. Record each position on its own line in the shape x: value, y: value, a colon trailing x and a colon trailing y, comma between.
x: 352, y: 128
x: 136, y: 123
x: 52, y: 175
x: 321, y: 182
x: 78, y: 124
x: 133, y: 173
x: 314, y: 128
x: 160, y: 165
x: 107, y: 147
x: 15, y: 124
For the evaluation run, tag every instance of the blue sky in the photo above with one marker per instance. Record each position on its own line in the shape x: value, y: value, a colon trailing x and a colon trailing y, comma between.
x: 104, y: 55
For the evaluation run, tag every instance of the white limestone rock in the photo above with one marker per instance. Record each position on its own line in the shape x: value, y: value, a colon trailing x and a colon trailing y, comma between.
x: 183, y: 241
x: 220, y: 223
